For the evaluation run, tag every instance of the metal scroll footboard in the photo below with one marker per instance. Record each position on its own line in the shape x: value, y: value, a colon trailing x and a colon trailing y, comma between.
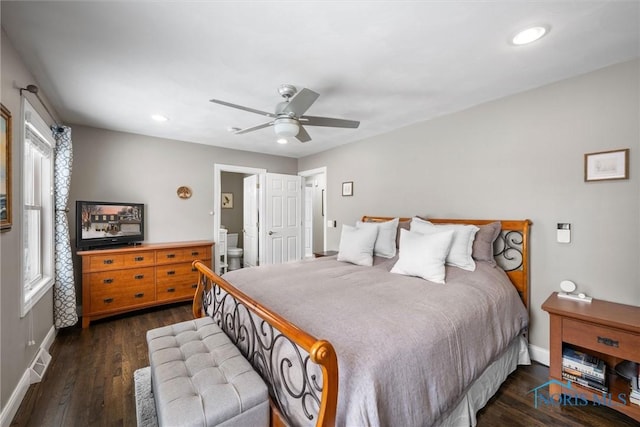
x: 289, y: 360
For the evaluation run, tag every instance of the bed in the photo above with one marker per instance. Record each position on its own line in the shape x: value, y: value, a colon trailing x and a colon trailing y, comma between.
x: 395, y: 349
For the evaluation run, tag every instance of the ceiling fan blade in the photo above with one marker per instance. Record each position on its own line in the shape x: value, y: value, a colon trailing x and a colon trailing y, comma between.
x: 302, y: 135
x: 240, y: 107
x: 329, y: 122
x: 251, y: 129
x: 301, y: 102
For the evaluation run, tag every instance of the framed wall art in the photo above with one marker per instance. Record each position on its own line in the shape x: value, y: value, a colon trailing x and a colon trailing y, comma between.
x: 227, y: 200
x: 606, y: 165
x: 347, y: 188
x: 5, y: 169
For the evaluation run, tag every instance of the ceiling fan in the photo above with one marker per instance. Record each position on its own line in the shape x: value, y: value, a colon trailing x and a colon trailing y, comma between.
x: 289, y: 118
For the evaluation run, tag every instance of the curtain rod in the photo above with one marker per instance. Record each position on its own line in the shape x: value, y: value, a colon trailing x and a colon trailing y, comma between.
x: 34, y: 90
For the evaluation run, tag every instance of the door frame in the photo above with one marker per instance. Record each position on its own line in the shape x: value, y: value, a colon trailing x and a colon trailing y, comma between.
x: 318, y: 171
x: 218, y: 168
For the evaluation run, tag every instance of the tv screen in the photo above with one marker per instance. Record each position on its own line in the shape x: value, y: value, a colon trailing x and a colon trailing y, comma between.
x: 108, y: 224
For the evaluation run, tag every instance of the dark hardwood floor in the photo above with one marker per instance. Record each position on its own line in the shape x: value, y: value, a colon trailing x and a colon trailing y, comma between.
x: 90, y: 381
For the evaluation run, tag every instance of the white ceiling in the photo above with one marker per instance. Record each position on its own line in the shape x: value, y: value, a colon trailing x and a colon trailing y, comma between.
x: 388, y: 64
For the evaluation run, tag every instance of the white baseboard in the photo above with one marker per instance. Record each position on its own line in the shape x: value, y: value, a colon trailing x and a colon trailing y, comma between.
x: 48, y: 340
x: 13, y: 404
x: 10, y: 410
x: 539, y: 354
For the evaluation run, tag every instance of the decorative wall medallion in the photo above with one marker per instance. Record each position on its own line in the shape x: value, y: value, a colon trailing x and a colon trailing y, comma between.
x: 184, y: 192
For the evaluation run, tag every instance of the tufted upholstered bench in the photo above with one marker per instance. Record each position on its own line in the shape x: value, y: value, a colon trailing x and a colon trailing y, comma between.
x: 199, y: 378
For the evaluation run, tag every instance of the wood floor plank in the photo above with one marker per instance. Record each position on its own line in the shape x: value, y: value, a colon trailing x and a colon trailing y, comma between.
x: 90, y: 381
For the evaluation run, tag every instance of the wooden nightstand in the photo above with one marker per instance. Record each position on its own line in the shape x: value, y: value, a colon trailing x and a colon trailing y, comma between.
x: 604, y: 329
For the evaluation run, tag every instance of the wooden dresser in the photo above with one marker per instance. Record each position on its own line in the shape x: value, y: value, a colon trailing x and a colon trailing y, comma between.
x: 118, y: 280
x: 603, y: 329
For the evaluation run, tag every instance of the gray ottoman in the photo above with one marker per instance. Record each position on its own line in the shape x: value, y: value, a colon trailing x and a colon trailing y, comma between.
x: 199, y: 378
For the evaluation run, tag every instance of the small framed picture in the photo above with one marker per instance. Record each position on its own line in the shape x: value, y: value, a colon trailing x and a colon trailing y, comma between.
x: 606, y: 165
x: 227, y: 200
x: 347, y: 188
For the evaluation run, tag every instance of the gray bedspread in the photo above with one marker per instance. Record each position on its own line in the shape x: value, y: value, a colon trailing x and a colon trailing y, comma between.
x: 407, y: 348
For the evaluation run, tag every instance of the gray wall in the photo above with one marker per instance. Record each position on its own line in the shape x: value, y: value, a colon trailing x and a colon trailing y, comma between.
x: 15, y: 354
x: 109, y: 165
x: 515, y: 158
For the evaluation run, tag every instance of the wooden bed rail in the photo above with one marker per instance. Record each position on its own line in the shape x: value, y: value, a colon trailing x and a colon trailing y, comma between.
x: 214, y: 290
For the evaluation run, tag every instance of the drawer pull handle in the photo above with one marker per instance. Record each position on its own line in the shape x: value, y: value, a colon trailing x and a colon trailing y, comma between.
x: 108, y: 261
x: 139, y: 295
x: 107, y: 281
x: 608, y: 341
x: 195, y: 253
x: 139, y: 258
x: 138, y: 276
x: 194, y: 286
x: 171, y: 255
x: 171, y: 289
x: 170, y: 273
x: 108, y: 300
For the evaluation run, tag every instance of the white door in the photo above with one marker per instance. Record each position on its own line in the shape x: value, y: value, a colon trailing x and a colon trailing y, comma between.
x: 308, y: 221
x: 250, y: 221
x: 281, y: 219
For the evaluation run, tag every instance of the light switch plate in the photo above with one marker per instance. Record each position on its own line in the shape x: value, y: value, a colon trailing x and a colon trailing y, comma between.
x: 564, y: 232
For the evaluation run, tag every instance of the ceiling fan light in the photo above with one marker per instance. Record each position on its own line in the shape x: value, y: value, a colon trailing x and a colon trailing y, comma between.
x: 286, y: 128
x: 282, y: 140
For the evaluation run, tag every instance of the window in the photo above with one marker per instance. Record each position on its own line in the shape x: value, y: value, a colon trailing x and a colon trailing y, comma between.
x: 38, y: 208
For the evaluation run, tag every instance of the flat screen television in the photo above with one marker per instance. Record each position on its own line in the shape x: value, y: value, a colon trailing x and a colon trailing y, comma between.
x: 101, y: 224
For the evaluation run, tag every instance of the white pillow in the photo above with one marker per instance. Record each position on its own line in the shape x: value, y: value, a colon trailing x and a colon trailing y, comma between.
x: 462, y: 246
x: 423, y: 255
x: 356, y: 245
x: 386, y: 240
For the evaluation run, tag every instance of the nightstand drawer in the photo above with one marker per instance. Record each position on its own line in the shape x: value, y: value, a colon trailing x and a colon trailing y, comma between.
x: 599, y: 338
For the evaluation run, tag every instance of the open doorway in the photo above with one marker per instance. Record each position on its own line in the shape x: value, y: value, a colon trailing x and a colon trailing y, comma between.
x: 315, y: 205
x: 228, y: 179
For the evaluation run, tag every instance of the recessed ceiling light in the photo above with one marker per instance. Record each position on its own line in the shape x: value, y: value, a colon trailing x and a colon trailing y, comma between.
x: 282, y: 140
x: 529, y: 35
x: 159, y: 118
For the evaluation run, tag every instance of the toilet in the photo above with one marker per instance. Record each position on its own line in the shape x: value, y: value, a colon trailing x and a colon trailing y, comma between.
x: 234, y: 253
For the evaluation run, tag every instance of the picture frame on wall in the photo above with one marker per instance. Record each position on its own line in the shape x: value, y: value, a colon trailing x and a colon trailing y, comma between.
x: 606, y: 165
x: 347, y: 188
x: 226, y: 200
x: 5, y: 169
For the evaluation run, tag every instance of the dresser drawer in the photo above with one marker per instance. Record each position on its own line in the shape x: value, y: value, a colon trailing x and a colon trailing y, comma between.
x: 106, y: 262
x: 139, y: 259
x: 169, y: 256
x: 182, y: 290
x: 176, y: 273
x: 122, y: 296
x: 601, y: 338
x: 106, y: 281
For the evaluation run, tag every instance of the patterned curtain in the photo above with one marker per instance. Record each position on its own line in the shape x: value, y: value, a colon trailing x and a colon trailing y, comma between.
x: 64, y: 289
